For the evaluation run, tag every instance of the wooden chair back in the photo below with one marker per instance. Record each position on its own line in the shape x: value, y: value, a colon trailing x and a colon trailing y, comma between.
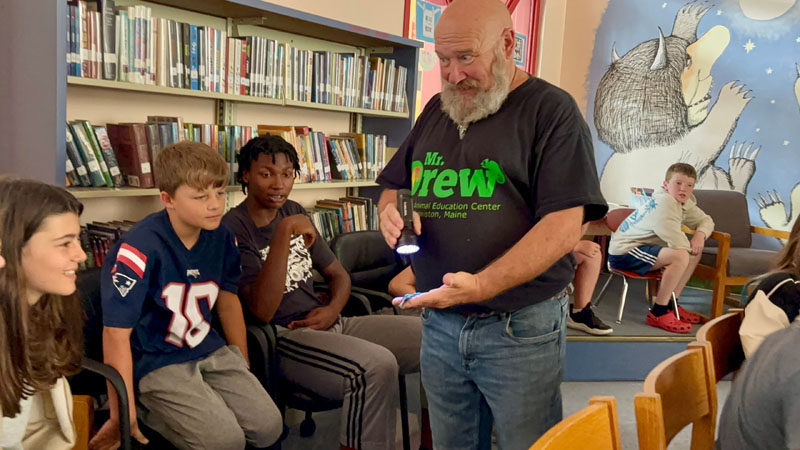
x: 723, y: 335
x: 615, y: 217
x: 597, y: 423
x: 679, y: 391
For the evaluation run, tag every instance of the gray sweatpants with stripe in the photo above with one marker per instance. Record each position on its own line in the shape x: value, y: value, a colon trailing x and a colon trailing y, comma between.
x: 358, y: 361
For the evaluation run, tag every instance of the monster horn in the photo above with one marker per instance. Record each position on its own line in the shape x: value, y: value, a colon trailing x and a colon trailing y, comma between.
x: 614, y: 55
x: 660, y: 61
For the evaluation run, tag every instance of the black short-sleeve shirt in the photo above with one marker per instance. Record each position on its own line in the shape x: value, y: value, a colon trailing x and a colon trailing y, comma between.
x: 479, y: 195
x: 254, y: 242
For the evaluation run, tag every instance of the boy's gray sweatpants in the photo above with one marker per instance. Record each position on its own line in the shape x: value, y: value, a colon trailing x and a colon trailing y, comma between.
x: 212, y: 403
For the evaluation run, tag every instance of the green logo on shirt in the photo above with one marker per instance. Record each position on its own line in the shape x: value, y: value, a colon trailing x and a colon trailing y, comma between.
x: 443, y: 183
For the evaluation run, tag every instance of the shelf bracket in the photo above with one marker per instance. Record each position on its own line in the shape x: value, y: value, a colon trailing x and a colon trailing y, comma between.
x: 255, y: 20
x: 380, y: 50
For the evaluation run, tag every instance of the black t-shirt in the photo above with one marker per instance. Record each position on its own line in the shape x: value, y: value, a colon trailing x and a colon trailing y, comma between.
x: 253, y: 242
x: 479, y: 195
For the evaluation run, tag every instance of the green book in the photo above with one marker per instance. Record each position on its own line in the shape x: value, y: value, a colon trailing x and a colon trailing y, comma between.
x: 87, y: 154
x: 99, y: 137
x: 79, y: 130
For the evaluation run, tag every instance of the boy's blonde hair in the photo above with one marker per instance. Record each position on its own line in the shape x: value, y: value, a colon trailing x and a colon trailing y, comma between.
x: 191, y: 163
x: 681, y: 168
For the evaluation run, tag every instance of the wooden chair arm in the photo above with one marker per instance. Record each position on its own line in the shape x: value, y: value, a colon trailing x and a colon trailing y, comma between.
x: 83, y: 417
x: 780, y: 234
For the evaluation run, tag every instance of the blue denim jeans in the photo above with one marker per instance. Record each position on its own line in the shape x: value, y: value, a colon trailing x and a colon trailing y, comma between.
x: 504, y: 368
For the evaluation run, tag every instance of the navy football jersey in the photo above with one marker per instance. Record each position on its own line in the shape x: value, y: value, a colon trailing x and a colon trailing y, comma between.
x: 152, y: 283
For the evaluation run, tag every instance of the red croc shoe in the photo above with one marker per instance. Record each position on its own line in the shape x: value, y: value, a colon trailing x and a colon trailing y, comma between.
x: 668, y: 322
x: 688, y: 316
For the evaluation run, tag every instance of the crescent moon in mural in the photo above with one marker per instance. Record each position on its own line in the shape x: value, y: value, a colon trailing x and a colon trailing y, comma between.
x: 765, y: 10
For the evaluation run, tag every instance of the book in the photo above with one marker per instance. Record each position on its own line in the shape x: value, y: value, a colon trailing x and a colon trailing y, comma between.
x: 87, y: 136
x: 74, y: 157
x: 130, y: 142
x: 108, y: 154
x: 87, y: 155
x: 109, y: 41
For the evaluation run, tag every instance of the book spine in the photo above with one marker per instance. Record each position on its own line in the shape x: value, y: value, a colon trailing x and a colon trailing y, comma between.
x: 194, y: 83
x: 88, y: 135
x: 108, y: 23
x: 87, y: 155
x: 108, y: 155
x: 74, y: 157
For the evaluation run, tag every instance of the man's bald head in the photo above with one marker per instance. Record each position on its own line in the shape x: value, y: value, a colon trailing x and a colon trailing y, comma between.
x: 486, y: 18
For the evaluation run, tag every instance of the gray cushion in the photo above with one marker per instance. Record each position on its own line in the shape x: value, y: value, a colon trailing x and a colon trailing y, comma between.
x: 729, y: 211
x: 742, y: 261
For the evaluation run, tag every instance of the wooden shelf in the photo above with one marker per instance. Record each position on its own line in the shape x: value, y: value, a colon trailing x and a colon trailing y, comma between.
x: 362, y: 111
x: 154, y: 89
x: 98, y: 192
x: 290, y: 20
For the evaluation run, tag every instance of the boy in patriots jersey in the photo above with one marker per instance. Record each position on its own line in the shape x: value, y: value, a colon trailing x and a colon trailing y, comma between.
x: 159, y: 286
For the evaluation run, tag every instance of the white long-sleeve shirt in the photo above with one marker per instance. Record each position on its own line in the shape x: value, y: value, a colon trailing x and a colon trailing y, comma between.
x: 658, y: 222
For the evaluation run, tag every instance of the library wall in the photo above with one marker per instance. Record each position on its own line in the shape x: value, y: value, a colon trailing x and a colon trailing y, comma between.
x: 381, y: 15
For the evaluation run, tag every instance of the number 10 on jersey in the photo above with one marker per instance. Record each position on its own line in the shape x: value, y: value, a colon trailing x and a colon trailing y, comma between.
x: 188, y: 324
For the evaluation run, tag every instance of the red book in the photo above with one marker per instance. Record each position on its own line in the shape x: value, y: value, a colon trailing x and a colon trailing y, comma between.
x: 130, y: 144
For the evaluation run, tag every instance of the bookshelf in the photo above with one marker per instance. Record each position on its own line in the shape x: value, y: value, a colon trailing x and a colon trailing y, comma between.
x: 41, y: 98
x: 125, y: 86
x: 94, y: 192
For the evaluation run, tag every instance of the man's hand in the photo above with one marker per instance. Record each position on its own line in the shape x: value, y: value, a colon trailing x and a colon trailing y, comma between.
x: 697, y: 243
x: 107, y: 438
x: 320, y: 318
x: 392, y: 224
x: 457, y: 288
x: 300, y: 225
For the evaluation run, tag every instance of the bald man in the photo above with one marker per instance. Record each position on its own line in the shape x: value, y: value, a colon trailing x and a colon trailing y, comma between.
x: 502, y: 171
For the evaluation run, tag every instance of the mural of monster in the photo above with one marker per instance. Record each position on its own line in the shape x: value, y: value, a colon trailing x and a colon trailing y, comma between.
x: 770, y: 205
x: 653, y: 108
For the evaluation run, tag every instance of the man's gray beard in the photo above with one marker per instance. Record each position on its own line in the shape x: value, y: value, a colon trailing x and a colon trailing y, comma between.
x: 484, y: 103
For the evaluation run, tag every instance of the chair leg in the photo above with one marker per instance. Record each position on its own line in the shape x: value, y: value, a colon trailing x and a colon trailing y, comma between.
x: 717, y: 299
x: 404, y: 412
x: 675, y: 305
x: 622, y: 298
x: 596, y: 300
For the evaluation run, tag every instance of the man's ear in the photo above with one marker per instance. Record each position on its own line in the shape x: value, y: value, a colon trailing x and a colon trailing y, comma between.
x: 508, y: 42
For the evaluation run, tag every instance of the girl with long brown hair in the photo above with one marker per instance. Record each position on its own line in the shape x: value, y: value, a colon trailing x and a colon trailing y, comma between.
x: 41, y: 318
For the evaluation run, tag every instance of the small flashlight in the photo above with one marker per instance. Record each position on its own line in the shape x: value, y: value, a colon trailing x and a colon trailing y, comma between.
x: 407, y: 244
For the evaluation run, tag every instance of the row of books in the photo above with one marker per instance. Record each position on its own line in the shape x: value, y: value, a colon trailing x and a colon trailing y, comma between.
x: 115, y: 155
x: 344, y: 156
x: 130, y: 44
x: 334, y: 217
x: 97, y: 238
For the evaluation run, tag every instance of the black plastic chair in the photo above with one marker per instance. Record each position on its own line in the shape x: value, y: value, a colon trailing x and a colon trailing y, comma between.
x: 371, y: 264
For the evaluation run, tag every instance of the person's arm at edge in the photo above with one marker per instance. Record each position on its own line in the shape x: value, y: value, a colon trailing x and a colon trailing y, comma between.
x: 403, y: 283
x: 229, y: 309
x: 265, y: 294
